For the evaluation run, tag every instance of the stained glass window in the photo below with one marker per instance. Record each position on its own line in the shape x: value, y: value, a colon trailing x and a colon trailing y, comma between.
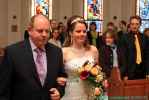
x: 43, y: 7
x: 93, y: 11
x: 143, y: 12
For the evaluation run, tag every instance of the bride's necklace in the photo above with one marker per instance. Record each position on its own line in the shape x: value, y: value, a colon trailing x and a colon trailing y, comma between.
x: 77, y: 51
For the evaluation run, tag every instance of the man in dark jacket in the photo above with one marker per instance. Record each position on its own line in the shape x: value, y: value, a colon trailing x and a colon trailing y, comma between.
x: 137, y: 51
x: 31, y: 67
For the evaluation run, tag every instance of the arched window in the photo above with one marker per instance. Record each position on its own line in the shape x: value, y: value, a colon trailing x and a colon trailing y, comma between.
x: 143, y: 12
x: 93, y: 11
x: 42, y: 6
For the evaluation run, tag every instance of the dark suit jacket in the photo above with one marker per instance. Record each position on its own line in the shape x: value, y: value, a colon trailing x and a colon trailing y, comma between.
x: 106, y: 60
x: 146, y: 54
x: 136, y: 71
x: 18, y: 76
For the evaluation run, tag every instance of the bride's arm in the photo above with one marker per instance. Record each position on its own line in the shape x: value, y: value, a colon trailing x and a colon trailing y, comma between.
x: 64, y: 50
x: 95, y: 54
x: 62, y: 80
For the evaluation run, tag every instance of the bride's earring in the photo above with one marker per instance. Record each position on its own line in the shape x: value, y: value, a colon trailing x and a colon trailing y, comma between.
x: 71, y: 40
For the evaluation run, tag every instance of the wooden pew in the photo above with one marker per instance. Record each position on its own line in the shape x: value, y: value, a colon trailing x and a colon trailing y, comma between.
x: 127, y: 89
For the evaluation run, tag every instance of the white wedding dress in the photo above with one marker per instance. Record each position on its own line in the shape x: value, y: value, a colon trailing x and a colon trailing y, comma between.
x: 76, y: 89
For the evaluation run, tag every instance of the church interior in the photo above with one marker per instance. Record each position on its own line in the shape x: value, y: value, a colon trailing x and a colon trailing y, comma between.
x: 15, y: 16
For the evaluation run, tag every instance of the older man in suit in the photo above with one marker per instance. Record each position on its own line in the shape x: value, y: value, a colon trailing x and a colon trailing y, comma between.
x: 31, y: 67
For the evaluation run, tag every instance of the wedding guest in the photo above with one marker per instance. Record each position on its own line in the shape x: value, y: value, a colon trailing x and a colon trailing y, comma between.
x: 55, y: 38
x: 92, y: 34
x: 112, y: 54
x: 146, y: 32
x: 111, y: 26
x: 137, y: 50
x: 146, y: 53
x: 62, y: 31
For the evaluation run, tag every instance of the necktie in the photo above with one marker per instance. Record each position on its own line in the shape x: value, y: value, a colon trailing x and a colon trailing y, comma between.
x: 40, y: 66
x: 115, y: 57
x: 138, y: 50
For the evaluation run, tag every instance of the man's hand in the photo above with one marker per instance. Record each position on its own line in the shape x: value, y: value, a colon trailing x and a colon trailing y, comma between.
x: 61, y: 81
x: 147, y: 77
x: 54, y: 94
x: 125, y: 78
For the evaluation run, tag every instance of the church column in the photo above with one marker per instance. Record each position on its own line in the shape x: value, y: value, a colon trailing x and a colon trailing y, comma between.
x: 14, y: 21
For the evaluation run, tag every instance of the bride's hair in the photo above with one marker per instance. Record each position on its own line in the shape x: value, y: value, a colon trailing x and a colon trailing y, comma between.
x: 71, y: 23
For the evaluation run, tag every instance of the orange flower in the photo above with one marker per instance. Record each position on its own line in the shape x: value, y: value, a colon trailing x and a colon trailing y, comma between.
x: 97, y: 91
x: 94, y: 71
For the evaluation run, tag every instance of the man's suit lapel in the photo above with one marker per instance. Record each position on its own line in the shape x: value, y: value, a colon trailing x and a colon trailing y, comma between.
x: 49, y: 64
x: 120, y: 54
x: 140, y: 37
x: 30, y: 59
x: 131, y: 40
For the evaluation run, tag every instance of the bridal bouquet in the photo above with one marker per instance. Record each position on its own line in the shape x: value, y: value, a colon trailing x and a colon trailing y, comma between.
x: 94, y: 75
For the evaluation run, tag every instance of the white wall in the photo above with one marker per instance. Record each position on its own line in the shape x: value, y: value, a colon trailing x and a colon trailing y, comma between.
x: 115, y: 9
x: 10, y: 8
x: 3, y: 22
x: 62, y: 8
x: 128, y: 9
x: 14, y: 9
x: 77, y: 8
x: 25, y: 15
x: 123, y: 9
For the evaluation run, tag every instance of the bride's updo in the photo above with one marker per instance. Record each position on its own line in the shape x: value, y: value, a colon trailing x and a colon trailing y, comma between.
x: 71, y: 23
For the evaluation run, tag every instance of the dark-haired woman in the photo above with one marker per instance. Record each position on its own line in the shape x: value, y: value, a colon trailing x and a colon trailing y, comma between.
x: 76, y: 52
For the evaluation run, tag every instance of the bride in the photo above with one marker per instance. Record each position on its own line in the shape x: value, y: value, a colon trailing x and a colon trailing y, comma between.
x: 76, y: 52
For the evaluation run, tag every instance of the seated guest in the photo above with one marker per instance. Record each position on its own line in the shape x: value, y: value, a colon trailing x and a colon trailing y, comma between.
x: 55, y: 37
x: 112, y: 54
